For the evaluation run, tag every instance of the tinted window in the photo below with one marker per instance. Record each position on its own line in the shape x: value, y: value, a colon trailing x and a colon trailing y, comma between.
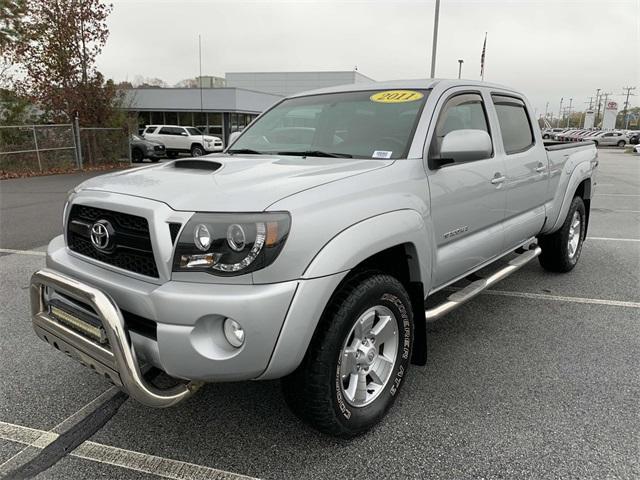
x: 171, y: 131
x: 194, y: 131
x: 461, y: 112
x: 517, y: 134
x: 150, y: 129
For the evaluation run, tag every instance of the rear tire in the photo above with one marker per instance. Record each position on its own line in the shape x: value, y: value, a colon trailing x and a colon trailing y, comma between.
x: 374, y: 307
x: 561, y: 249
x: 137, y: 156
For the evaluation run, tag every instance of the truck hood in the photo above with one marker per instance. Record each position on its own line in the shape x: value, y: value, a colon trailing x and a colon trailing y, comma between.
x: 230, y: 183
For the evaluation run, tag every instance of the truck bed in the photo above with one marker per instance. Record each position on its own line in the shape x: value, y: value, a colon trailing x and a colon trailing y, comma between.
x: 550, y: 145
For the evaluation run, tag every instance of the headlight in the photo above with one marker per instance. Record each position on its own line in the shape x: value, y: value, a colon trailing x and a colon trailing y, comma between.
x: 229, y: 244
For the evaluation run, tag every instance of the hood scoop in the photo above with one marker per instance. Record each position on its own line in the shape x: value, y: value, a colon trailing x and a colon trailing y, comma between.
x: 203, y: 165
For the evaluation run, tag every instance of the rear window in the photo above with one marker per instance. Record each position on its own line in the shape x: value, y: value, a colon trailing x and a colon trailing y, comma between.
x: 150, y: 129
x: 517, y: 134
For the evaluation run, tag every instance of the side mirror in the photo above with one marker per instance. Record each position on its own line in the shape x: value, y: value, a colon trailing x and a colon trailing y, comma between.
x: 233, y: 137
x: 184, y: 134
x: 464, y: 146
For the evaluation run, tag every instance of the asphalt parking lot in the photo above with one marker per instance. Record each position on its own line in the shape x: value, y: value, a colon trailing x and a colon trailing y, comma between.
x: 537, y: 378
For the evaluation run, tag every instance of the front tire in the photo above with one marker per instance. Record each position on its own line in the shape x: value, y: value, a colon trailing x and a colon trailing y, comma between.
x: 561, y: 249
x: 622, y: 143
x: 197, y: 151
x: 357, y: 359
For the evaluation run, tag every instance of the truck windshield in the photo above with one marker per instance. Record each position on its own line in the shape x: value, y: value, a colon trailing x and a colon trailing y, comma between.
x: 365, y: 124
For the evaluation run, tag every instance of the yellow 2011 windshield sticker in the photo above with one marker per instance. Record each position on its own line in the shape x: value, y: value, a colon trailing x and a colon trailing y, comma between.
x: 396, y: 96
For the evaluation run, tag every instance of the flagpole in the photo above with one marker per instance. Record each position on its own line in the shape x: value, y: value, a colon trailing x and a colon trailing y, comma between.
x: 435, y: 40
x: 484, y: 49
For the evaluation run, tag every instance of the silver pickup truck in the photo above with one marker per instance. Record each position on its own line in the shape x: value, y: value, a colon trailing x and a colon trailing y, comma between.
x: 307, y: 250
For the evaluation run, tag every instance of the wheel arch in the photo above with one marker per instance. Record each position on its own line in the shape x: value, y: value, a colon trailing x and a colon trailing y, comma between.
x: 579, y: 184
x: 584, y: 191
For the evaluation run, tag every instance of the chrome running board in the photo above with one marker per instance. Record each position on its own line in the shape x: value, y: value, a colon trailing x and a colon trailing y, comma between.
x: 117, y: 360
x: 474, y: 288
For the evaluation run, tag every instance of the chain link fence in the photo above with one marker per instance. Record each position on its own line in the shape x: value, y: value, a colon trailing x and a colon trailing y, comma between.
x: 37, y: 148
x: 28, y: 149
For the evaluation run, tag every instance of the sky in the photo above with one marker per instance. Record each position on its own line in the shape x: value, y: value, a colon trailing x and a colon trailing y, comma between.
x: 547, y: 49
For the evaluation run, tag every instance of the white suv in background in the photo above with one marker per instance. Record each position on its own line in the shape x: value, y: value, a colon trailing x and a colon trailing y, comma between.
x: 183, y: 140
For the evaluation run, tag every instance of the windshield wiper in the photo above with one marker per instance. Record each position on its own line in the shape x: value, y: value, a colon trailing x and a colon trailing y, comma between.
x: 246, y: 151
x: 317, y: 153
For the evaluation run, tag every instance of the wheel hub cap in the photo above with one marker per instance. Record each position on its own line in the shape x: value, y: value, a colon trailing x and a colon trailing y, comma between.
x: 368, y: 356
x: 574, y: 235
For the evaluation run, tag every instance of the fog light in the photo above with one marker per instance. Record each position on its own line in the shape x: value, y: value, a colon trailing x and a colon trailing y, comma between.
x: 233, y: 332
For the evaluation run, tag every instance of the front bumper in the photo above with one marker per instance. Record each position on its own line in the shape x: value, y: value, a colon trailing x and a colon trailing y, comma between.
x: 189, y: 341
x: 213, y: 148
x: 118, y: 360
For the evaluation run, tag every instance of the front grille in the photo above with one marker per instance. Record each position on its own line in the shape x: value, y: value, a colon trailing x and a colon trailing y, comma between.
x: 131, y: 249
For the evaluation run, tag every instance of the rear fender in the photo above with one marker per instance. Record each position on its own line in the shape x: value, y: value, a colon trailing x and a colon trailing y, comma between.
x: 581, y: 173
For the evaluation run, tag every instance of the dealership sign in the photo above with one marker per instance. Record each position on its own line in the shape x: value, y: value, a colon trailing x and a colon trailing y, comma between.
x: 610, y: 114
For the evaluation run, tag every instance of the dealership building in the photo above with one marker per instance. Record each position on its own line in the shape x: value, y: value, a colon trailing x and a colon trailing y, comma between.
x: 223, y: 110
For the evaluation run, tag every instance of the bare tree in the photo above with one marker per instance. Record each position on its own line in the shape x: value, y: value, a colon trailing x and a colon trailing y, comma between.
x: 60, y: 41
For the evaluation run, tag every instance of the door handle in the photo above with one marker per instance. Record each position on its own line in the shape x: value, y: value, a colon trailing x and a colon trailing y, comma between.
x: 541, y: 168
x: 498, y: 179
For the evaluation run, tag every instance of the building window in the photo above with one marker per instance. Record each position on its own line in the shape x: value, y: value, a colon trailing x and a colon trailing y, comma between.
x: 200, y: 119
x: 171, y: 118
x: 215, y: 119
x: 157, y: 118
x: 185, y: 119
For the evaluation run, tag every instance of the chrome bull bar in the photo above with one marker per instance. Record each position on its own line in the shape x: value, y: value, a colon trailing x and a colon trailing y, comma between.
x: 118, y: 360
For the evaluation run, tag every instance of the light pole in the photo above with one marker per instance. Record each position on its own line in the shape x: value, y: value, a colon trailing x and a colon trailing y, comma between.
x: 460, y: 62
x: 569, y: 112
x: 560, y: 111
x: 435, y: 40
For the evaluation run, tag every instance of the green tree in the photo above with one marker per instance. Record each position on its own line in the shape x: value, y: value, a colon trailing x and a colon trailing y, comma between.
x: 60, y: 41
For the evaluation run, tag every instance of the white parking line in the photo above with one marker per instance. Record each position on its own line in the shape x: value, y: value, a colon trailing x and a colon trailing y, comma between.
x: 560, y: 298
x: 617, y: 195
x: 607, y: 210
x: 45, y: 439
x: 609, y: 239
x: 23, y: 252
x: 139, y: 462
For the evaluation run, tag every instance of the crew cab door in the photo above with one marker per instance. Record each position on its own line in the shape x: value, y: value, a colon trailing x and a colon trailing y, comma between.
x: 467, y: 198
x: 526, y: 167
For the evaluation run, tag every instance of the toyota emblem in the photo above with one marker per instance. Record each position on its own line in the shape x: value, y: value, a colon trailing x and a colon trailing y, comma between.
x: 101, y: 235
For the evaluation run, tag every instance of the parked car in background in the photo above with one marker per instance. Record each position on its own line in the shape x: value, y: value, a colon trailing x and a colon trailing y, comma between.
x: 548, y: 133
x: 142, y: 148
x: 179, y: 139
x: 636, y: 149
x: 611, y: 139
x: 634, y: 137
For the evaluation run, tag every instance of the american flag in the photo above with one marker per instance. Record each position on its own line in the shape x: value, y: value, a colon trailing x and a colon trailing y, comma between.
x: 484, y: 49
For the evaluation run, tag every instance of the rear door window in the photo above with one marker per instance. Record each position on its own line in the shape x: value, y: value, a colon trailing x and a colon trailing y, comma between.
x: 515, y: 126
